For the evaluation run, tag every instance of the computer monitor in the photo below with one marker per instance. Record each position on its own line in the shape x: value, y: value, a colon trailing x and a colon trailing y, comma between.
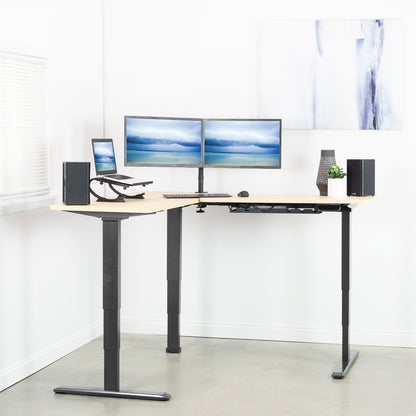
x: 242, y: 143
x: 162, y: 141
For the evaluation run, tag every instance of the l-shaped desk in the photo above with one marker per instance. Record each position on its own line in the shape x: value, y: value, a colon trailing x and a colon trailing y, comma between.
x: 112, y: 213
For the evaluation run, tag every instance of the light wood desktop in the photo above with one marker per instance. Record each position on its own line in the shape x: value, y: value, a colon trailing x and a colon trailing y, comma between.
x: 155, y: 202
x: 112, y: 213
x: 151, y: 203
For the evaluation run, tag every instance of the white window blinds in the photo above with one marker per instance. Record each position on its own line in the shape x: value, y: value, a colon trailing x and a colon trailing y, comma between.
x: 23, y: 134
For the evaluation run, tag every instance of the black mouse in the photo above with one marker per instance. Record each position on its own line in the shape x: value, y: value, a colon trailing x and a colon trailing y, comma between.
x: 243, y: 193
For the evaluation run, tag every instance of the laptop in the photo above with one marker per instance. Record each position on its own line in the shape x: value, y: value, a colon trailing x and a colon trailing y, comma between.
x: 105, y: 163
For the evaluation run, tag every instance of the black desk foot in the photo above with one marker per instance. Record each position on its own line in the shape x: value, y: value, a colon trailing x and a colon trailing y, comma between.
x: 174, y: 350
x: 341, y: 370
x: 144, y: 395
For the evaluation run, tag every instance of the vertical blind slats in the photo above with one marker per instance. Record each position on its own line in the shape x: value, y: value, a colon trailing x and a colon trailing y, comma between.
x: 23, y: 135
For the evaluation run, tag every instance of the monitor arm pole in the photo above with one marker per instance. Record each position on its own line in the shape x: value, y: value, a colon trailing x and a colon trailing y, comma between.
x: 201, y: 188
x: 200, y: 179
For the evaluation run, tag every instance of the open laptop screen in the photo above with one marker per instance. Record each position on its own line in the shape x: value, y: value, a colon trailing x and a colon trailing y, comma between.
x: 104, y: 159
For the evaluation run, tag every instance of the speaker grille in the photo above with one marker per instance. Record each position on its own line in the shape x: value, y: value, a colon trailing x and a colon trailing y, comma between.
x: 76, y: 183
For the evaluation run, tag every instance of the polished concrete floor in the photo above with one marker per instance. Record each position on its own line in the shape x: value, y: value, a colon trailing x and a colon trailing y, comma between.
x: 222, y: 377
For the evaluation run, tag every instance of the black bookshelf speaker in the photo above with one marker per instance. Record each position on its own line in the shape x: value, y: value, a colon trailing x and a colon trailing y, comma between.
x: 361, y: 177
x: 76, y: 183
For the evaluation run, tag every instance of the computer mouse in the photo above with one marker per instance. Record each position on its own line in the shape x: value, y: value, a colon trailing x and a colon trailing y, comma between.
x: 243, y: 193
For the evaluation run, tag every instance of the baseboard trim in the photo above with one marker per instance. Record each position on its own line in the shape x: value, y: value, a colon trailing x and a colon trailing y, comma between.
x: 48, y: 355
x: 43, y: 358
x: 274, y: 333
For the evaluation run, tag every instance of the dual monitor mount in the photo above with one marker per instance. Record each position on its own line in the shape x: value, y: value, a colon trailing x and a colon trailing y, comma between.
x: 119, y: 195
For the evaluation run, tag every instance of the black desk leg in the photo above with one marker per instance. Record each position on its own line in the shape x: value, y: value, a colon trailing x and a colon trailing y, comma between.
x: 111, y: 303
x: 111, y: 306
x: 348, y: 356
x: 174, y: 258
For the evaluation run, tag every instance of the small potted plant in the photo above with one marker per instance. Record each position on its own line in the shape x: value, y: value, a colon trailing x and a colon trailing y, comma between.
x: 336, y: 182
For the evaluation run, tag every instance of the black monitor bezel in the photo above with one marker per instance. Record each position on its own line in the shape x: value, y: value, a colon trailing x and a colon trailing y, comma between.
x: 104, y: 172
x: 243, y: 167
x: 130, y: 164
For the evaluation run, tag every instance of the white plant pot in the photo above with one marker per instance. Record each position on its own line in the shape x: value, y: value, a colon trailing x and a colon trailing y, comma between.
x: 337, y: 187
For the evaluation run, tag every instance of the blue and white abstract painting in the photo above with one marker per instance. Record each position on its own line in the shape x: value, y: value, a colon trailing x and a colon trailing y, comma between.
x: 163, y: 142
x: 332, y: 74
x: 242, y: 143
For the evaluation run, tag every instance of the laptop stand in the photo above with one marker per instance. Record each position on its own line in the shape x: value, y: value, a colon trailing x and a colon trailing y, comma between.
x: 120, y: 196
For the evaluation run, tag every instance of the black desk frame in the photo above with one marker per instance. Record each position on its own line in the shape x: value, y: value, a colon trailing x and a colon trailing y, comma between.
x: 174, y: 239
x: 111, y: 289
x: 111, y: 306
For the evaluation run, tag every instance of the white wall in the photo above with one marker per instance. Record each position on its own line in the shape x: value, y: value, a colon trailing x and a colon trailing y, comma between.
x: 273, y: 277
x: 254, y: 276
x: 50, y: 263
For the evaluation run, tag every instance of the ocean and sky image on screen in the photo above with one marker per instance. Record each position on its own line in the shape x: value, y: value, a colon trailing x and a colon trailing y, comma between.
x: 242, y: 143
x: 163, y: 142
x: 104, y: 156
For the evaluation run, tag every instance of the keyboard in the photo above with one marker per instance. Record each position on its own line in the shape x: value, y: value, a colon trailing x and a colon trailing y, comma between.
x: 118, y: 176
x: 197, y: 195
